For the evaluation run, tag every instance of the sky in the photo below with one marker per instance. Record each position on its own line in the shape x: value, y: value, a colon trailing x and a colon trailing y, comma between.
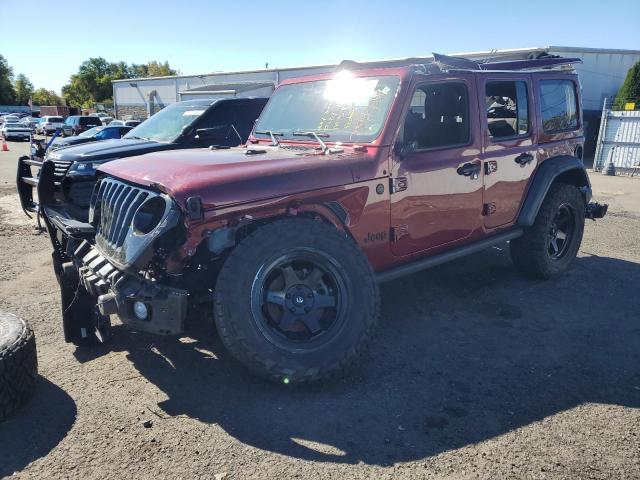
x: 205, y: 36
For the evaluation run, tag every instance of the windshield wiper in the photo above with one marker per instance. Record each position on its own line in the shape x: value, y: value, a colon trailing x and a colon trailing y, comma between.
x: 316, y: 136
x: 136, y: 138
x: 273, y: 135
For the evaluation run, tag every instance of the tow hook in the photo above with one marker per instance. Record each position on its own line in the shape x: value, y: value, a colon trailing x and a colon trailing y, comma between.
x: 595, y: 210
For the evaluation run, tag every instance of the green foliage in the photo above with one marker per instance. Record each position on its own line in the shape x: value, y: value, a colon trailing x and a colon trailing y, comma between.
x: 152, y: 69
x: 7, y: 92
x: 92, y: 83
x: 630, y: 90
x: 24, y: 90
x: 42, y: 96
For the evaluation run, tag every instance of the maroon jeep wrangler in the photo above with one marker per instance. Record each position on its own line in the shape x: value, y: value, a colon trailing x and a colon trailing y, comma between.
x: 347, y: 180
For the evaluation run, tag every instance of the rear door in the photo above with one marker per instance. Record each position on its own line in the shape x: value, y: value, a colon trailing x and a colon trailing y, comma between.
x: 509, y: 153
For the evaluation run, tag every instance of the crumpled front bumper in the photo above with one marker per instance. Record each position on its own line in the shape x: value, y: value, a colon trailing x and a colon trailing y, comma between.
x: 116, y: 292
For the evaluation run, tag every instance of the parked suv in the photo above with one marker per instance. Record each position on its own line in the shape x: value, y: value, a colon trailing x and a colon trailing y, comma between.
x: 76, y: 124
x: 49, y: 124
x: 189, y: 124
x: 348, y: 179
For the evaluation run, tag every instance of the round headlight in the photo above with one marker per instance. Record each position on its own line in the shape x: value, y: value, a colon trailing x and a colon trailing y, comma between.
x: 148, y: 215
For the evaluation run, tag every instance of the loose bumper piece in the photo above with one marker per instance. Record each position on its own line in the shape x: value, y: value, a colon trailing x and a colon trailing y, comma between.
x: 595, y: 210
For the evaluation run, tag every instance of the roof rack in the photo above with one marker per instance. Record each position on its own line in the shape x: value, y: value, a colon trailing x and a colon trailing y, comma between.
x: 442, y: 63
x: 542, y: 61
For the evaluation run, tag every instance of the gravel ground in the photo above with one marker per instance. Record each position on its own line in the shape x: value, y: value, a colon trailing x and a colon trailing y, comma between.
x: 476, y: 372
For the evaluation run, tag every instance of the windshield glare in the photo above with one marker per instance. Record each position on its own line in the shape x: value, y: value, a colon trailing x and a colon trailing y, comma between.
x: 344, y: 109
x: 166, y: 125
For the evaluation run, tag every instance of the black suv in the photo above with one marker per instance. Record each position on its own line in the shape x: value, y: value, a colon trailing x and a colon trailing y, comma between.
x: 75, y: 124
x: 189, y: 124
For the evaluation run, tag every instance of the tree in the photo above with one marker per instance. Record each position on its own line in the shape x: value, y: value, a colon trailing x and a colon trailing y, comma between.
x: 7, y: 92
x: 151, y: 69
x: 630, y: 90
x: 42, y: 96
x: 92, y: 83
x: 24, y: 90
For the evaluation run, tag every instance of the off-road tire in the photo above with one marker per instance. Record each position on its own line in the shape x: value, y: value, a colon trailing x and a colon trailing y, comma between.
x: 530, y: 252
x: 18, y: 364
x: 238, y: 328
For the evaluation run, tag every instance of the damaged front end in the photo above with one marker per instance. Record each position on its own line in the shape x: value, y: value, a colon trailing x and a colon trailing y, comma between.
x: 114, y: 263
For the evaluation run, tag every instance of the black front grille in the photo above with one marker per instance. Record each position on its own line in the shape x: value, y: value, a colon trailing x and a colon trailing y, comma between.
x: 61, y: 169
x: 115, y: 204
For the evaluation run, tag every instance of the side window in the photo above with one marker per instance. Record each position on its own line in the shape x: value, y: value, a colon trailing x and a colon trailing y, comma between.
x: 246, y: 114
x: 438, y: 116
x: 223, y: 119
x: 222, y: 114
x: 559, y: 105
x: 507, y: 109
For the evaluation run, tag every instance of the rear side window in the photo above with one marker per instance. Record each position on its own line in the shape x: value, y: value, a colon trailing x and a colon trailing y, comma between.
x: 559, y: 105
x: 90, y: 121
x: 507, y: 109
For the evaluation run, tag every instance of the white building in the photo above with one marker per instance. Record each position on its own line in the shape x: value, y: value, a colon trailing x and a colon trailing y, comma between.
x: 601, y: 74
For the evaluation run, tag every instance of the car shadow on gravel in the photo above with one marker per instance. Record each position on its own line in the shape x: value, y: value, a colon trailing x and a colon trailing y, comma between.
x: 37, y: 428
x: 465, y: 352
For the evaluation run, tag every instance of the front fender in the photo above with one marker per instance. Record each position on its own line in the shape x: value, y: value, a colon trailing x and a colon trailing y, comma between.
x: 563, y: 168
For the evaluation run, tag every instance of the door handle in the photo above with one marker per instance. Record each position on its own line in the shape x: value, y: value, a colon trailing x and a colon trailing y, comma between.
x: 471, y: 170
x: 524, y: 158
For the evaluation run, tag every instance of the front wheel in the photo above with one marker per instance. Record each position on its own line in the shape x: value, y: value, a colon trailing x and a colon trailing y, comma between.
x: 548, y: 247
x: 296, y: 301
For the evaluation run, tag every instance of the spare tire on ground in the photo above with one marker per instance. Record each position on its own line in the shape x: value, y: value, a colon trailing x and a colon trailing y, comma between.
x: 18, y: 363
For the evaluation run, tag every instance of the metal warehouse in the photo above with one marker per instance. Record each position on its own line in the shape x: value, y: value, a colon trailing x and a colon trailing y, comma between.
x: 601, y: 75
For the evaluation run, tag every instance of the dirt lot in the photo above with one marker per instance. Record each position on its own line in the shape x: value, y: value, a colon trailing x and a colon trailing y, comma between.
x: 476, y: 372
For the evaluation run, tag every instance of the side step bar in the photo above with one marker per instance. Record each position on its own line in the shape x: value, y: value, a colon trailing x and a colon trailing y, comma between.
x: 445, y: 257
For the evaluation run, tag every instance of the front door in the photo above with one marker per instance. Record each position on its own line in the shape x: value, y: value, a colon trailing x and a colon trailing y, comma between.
x: 437, y: 179
x: 509, y: 156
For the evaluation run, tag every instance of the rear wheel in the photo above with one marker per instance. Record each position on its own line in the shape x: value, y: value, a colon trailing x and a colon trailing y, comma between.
x: 296, y: 301
x: 548, y: 247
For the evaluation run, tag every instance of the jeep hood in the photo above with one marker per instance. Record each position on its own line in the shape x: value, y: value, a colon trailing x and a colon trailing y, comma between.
x: 225, y: 177
x: 106, y: 149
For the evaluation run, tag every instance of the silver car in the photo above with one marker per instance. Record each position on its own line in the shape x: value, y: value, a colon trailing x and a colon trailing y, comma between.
x: 15, y: 130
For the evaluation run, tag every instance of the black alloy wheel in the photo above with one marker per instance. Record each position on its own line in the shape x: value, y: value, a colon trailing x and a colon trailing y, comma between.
x: 297, y: 299
x: 560, y: 234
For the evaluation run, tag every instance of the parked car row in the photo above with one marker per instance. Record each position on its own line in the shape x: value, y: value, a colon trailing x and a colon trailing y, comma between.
x: 49, y: 124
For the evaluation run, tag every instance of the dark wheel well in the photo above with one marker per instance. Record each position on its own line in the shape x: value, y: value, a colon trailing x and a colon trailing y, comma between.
x: 247, y: 229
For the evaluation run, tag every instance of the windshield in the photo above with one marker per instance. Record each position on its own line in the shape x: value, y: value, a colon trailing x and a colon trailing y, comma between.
x: 342, y: 109
x: 166, y: 125
x: 55, y: 120
x: 91, y: 132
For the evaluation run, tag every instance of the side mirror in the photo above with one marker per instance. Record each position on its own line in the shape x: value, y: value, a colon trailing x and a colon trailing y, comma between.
x: 401, y: 150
